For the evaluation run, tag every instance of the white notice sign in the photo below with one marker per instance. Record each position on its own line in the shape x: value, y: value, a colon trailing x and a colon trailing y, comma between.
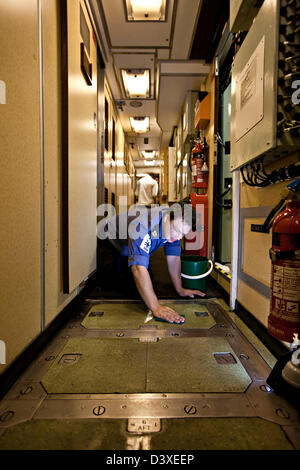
x: 250, y: 92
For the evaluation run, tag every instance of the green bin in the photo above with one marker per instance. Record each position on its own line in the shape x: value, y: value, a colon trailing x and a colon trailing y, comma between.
x: 194, y: 272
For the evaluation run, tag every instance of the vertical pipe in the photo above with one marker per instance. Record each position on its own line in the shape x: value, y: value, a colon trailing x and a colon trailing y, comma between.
x: 42, y: 165
x: 235, y: 237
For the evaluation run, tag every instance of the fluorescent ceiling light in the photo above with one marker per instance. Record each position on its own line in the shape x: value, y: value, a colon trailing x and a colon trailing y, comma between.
x: 140, y: 124
x: 146, y: 10
x: 136, y: 83
x: 148, y: 153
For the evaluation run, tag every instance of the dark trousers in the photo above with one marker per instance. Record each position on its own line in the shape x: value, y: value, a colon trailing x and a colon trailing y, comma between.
x: 113, y: 271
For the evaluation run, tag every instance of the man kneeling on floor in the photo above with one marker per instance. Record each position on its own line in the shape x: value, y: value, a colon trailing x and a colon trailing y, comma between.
x: 127, y: 242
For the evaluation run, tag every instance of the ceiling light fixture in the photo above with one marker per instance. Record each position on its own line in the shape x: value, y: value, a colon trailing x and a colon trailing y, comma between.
x: 146, y: 10
x: 140, y: 124
x: 148, y: 154
x: 149, y: 163
x: 136, y: 83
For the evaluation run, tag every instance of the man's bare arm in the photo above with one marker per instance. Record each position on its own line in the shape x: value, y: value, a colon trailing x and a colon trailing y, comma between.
x: 144, y: 286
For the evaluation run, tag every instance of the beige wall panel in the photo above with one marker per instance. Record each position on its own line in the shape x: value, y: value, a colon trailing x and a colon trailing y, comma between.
x: 126, y: 188
x: 254, y: 302
x: 20, y: 317
x: 256, y: 247
x: 130, y: 191
x: 55, y: 300
x: 112, y: 181
x: 120, y: 168
x: 82, y: 154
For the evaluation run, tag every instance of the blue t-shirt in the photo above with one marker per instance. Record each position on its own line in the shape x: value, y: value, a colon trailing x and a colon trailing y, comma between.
x: 139, y: 249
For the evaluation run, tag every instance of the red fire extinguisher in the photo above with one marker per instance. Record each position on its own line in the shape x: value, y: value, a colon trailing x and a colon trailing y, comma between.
x: 284, y: 317
x: 196, y: 243
x: 200, y: 164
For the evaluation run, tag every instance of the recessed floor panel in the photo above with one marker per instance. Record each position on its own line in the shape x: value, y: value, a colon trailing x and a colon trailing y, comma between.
x: 98, y: 366
x: 175, y: 434
x: 133, y: 315
x: 191, y: 365
x: 181, y: 365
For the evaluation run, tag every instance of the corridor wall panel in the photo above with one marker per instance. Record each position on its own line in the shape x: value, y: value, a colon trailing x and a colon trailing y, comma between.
x: 55, y: 299
x: 20, y: 280
x: 79, y: 143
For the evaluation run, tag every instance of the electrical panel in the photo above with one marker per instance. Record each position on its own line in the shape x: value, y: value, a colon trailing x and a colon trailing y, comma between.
x: 265, y: 72
x: 188, y: 130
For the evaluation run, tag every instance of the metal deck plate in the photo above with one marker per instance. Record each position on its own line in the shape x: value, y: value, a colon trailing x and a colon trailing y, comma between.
x: 62, y: 416
x: 111, y: 316
x: 183, y: 365
x: 102, y: 366
x: 178, y: 434
x: 189, y: 365
x: 145, y: 405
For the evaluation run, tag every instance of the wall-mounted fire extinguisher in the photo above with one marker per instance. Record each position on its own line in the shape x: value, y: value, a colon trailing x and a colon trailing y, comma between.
x: 199, y: 167
x: 196, y: 243
x: 284, y: 317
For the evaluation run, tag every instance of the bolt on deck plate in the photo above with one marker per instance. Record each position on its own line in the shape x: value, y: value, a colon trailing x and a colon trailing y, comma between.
x: 13, y: 412
x: 26, y: 391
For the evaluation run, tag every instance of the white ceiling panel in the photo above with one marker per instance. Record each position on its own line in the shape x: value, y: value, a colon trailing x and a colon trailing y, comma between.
x: 161, y: 47
x: 186, y: 22
x: 171, y: 97
x: 127, y: 34
x: 176, y: 78
x: 163, y: 54
x: 183, y: 67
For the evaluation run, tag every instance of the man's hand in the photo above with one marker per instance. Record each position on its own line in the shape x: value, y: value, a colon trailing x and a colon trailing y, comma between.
x: 168, y: 314
x: 145, y: 288
x: 190, y: 293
